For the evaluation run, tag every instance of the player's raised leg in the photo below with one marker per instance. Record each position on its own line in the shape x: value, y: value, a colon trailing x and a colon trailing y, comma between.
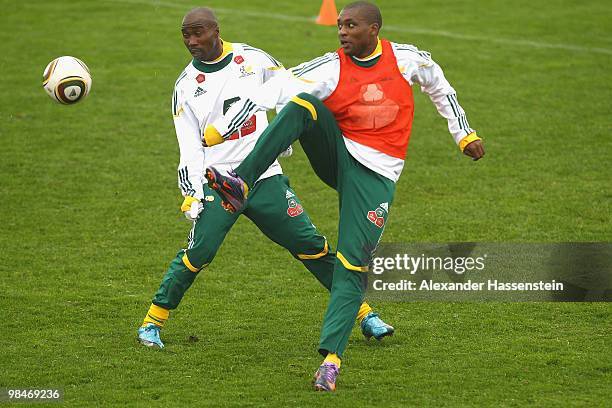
x: 296, y: 120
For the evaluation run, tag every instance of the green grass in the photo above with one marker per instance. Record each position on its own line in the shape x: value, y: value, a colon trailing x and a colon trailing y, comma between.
x: 90, y: 216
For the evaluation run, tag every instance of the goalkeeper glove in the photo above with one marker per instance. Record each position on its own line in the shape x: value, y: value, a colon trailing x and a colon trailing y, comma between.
x: 191, y: 207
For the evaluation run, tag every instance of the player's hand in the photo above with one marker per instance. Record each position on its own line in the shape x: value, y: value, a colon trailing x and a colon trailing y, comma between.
x: 475, y: 150
x: 211, y: 136
x: 191, y: 207
x: 287, y: 152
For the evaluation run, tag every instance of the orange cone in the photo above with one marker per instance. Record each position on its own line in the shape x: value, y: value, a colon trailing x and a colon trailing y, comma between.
x: 328, y: 15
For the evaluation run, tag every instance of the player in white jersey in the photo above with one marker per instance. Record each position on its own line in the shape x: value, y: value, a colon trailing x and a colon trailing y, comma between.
x: 216, y: 78
x: 353, y: 119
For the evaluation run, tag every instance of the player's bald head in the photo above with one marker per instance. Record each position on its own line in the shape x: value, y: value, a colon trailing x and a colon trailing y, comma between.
x: 367, y: 11
x: 200, y: 31
x: 200, y: 16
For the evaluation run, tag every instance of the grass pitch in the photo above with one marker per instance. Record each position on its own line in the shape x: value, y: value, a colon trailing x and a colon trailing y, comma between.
x: 90, y: 216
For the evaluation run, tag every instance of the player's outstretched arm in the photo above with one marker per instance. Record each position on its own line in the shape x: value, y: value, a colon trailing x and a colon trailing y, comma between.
x: 318, y: 77
x: 418, y: 67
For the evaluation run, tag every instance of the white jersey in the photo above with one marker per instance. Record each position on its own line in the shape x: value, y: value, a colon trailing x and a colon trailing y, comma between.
x: 202, y: 94
x: 320, y: 78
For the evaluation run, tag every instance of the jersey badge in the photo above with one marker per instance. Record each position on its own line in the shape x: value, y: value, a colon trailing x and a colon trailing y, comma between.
x: 377, y: 217
x: 238, y: 59
x: 200, y: 78
x: 246, y: 71
x: 293, y: 207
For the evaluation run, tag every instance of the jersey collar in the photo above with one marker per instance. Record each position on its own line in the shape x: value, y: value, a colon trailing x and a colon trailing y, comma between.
x: 228, y: 48
x: 219, y: 63
x: 376, y: 53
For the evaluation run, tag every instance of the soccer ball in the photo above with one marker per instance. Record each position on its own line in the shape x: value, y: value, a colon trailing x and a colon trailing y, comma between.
x: 67, y: 80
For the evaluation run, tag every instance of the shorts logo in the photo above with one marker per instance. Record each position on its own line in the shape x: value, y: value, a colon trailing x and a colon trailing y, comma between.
x: 293, y: 207
x: 377, y: 217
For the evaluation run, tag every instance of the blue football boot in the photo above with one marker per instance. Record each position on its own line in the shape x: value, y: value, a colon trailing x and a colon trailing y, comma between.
x: 149, y: 336
x: 373, y: 326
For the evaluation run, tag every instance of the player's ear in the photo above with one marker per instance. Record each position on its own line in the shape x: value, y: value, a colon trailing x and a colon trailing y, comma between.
x: 374, y: 29
x: 214, y: 27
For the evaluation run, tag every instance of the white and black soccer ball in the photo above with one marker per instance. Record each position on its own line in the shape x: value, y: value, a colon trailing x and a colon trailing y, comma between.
x: 67, y: 80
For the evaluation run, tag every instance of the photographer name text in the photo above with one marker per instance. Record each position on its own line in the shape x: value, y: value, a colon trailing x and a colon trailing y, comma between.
x: 469, y: 285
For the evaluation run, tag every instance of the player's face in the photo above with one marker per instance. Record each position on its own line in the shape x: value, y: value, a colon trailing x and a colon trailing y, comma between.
x: 357, y: 37
x: 202, y: 40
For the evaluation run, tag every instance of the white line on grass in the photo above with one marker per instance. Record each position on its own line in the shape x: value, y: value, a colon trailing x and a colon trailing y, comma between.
x: 433, y: 33
x: 507, y: 41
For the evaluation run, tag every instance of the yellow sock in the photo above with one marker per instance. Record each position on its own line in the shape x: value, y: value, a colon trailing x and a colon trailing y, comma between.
x: 156, y: 315
x: 363, y: 311
x: 332, y: 358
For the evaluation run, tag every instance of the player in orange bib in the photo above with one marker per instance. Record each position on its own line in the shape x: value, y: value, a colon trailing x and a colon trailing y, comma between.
x: 352, y: 112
